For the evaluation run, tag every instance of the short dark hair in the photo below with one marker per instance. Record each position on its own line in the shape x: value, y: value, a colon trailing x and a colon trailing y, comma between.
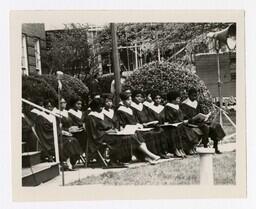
x: 136, y: 92
x: 156, y: 93
x: 192, y: 91
x: 96, y: 104
x: 172, y: 95
x: 107, y: 96
x: 124, y: 96
x: 74, y: 100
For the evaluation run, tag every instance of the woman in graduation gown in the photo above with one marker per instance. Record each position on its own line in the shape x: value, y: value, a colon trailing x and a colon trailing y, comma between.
x: 75, y: 149
x: 183, y: 138
x: 77, y: 118
x: 44, y: 129
x: 125, y: 153
x: 27, y: 133
x: 156, y: 113
x: 155, y: 137
x: 125, y: 117
x: 101, y: 131
x: 190, y: 108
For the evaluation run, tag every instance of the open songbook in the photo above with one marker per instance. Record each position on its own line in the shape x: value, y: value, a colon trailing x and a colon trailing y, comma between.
x: 150, y: 124
x: 200, y: 117
x: 130, y: 130
x: 171, y: 124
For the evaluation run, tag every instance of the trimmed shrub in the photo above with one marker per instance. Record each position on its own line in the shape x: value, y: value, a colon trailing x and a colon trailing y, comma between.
x: 105, y: 82
x: 36, y: 89
x: 39, y: 88
x: 71, y: 87
x: 165, y: 76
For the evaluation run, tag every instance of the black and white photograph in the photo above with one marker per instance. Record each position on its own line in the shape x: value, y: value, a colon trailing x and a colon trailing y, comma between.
x: 130, y: 103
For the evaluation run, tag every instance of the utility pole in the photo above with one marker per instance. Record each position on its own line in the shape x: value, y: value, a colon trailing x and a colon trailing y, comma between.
x: 115, y: 62
x: 136, y: 57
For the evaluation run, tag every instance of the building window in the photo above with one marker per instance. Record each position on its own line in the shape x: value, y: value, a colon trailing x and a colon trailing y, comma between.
x: 24, y: 55
x: 38, y: 57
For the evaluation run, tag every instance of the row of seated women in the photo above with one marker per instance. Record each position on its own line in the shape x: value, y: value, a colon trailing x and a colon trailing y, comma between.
x: 157, y: 131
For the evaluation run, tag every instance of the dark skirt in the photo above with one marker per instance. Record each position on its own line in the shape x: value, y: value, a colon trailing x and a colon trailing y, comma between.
x: 155, y: 140
x: 216, y: 131
x: 122, y: 147
x: 71, y: 147
x: 81, y: 137
x: 181, y: 137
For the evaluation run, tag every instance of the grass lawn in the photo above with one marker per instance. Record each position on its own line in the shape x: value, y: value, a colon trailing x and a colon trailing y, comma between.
x: 175, y: 172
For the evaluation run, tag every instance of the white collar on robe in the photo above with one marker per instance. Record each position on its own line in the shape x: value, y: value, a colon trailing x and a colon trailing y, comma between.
x: 97, y: 114
x: 137, y: 106
x: 156, y: 109
x: 109, y: 113
x: 63, y: 113
x: 48, y: 117
x: 77, y: 113
x: 22, y: 114
x: 148, y: 104
x: 190, y: 103
x: 174, y: 106
x: 126, y: 109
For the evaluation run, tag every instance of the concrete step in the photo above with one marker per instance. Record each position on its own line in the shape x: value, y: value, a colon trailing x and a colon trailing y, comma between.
x: 31, y: 158
x: 39, y: 173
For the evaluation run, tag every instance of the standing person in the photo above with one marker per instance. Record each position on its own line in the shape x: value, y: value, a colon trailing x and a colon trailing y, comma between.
x: 99, y: 131
x: 191, y: 108
x: 77, y: 118
x: 182, y: 138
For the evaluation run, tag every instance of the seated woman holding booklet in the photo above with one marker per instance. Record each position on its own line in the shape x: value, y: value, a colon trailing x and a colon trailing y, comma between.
x: 156, y: 113
x: 44, y: 129
x: 101, y: 131
x: 156, y: 139
x: 192, y: 111
x: 77, y: 118
x: 182, y: 137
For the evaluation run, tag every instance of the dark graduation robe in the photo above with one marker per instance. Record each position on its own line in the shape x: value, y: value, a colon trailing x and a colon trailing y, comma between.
x: 44, y: 129
x: 97, y: 125
x: 156, y: 113
x: 77, y: 118
x: 210, y: 129
x: 28, y: 135
x: 180, y: 136
x: 126, y: 116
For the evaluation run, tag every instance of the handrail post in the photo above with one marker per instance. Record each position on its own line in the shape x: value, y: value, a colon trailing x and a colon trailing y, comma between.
x: 56, y: 144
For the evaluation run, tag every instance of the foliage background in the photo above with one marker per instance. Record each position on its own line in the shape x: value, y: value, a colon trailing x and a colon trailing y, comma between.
x: 165, y: 76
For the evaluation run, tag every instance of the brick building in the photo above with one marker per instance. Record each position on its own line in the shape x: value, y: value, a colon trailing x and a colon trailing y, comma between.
x: 33, y: 48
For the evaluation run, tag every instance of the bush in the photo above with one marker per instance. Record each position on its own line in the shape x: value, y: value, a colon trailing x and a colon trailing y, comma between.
x: 39, y: 88
x: 71, y: 87
x: 165, y: 76
x: 36, y: 89
x: 105, y: 82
